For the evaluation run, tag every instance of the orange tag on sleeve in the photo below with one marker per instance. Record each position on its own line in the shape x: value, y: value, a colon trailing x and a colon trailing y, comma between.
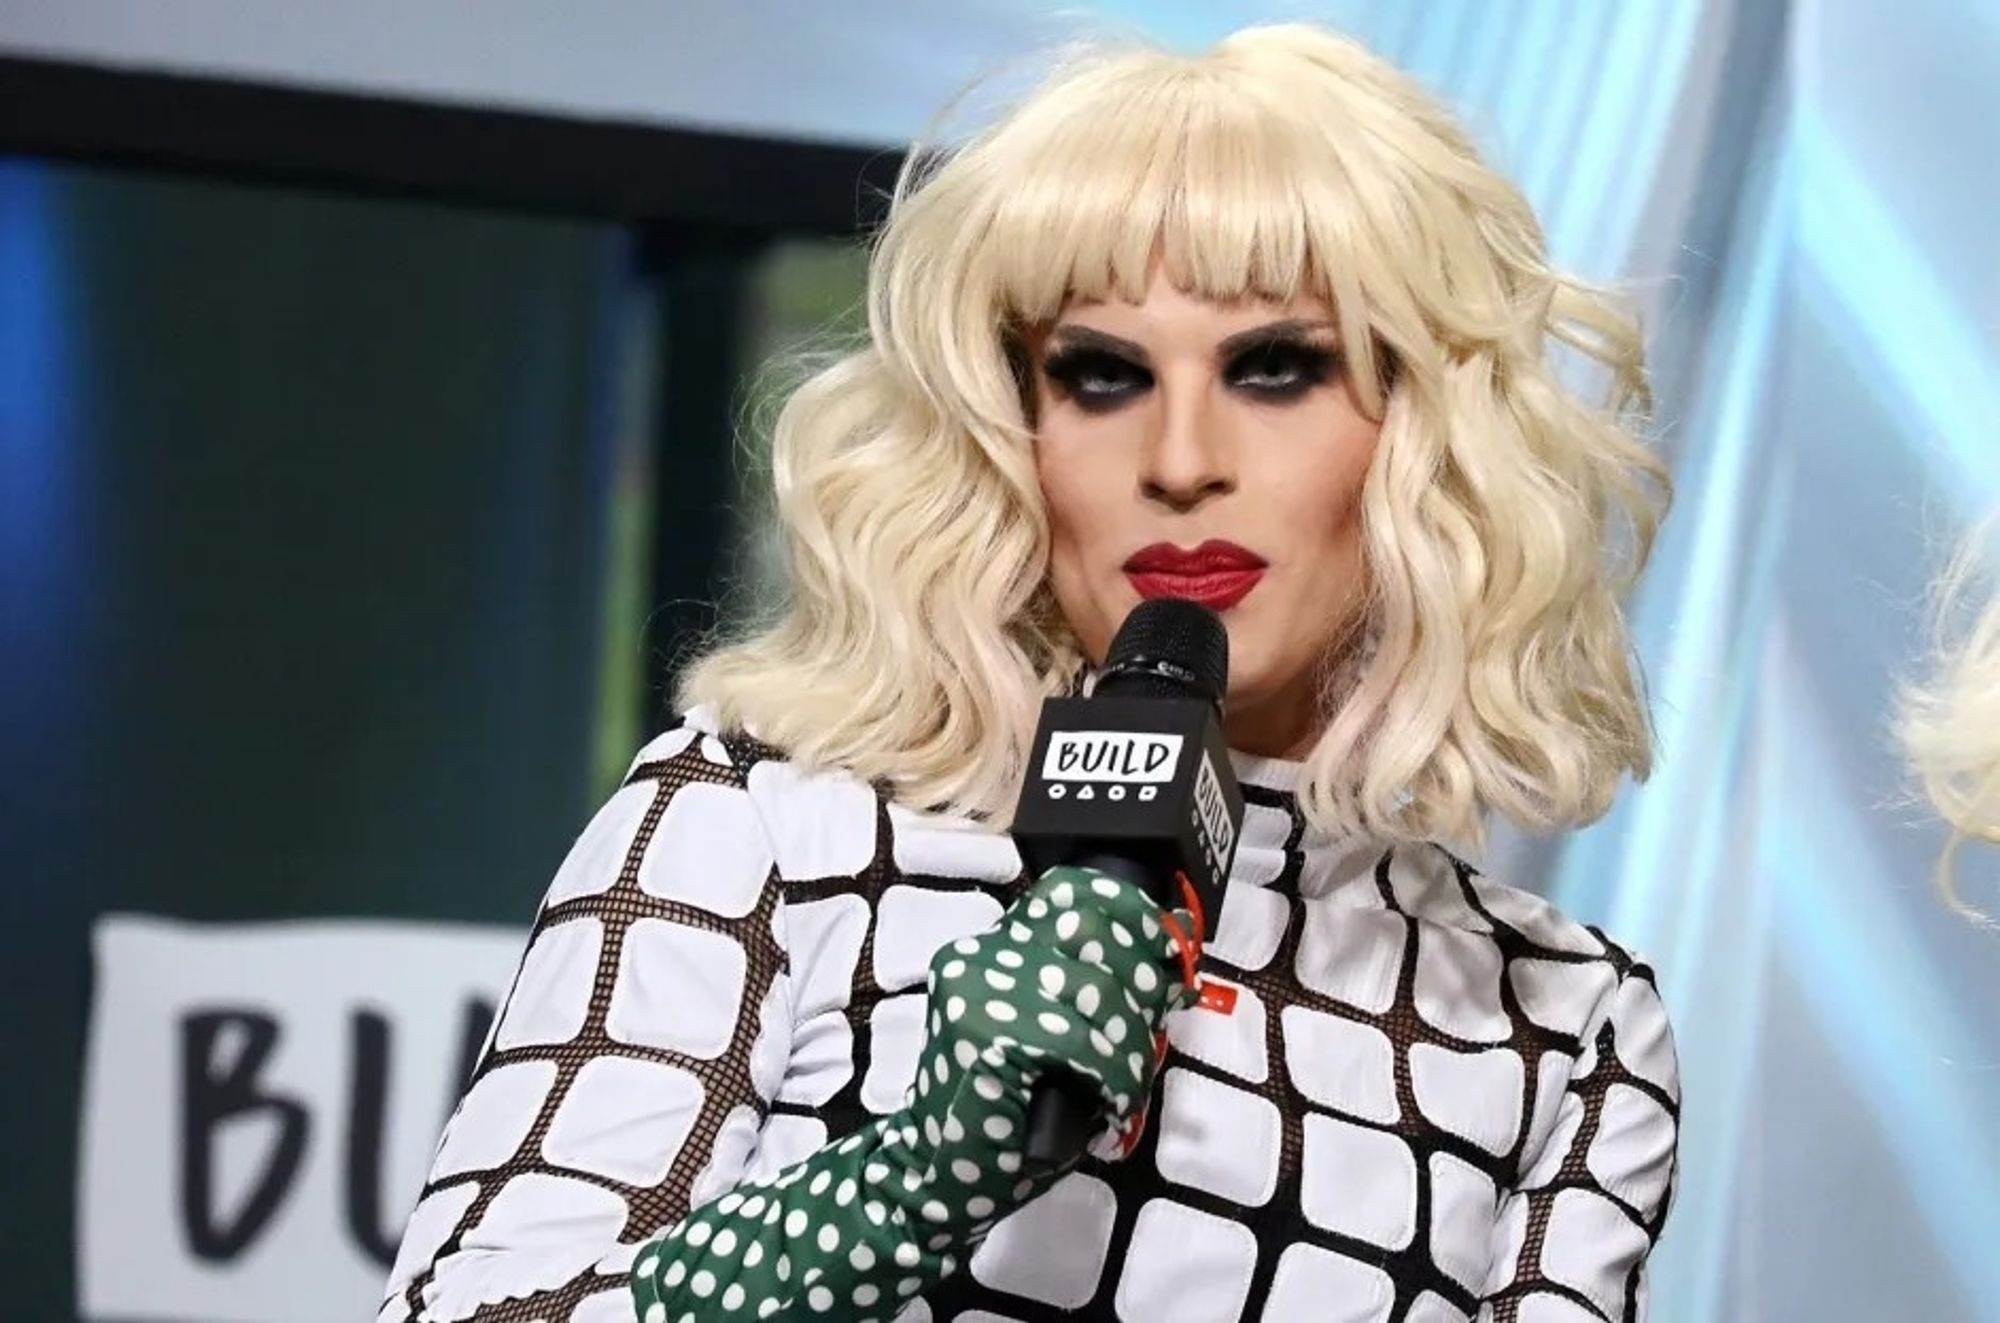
x: 1217, y: 997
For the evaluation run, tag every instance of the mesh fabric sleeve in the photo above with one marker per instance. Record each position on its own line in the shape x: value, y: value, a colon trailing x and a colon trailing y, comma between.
x: 1574, y: 1238
x: 631, y: 1068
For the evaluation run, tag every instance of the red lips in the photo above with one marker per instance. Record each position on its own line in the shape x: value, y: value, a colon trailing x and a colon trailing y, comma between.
x: 1217, y: 574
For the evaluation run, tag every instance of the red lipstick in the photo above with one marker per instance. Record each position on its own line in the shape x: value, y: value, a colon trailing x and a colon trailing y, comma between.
x: 1217, y: 574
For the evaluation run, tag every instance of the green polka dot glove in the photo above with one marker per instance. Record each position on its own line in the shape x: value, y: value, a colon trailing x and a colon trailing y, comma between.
x: 1081, y: 972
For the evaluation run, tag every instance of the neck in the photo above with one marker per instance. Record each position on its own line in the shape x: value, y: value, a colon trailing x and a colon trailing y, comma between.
x: 1283, y: 725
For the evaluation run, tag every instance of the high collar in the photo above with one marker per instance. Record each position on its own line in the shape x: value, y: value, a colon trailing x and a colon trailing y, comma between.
x: 1277, y: 847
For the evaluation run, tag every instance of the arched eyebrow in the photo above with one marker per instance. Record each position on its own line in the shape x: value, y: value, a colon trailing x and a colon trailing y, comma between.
x: 1086, y: 337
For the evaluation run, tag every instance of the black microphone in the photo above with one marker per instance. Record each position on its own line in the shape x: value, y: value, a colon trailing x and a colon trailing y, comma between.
x: 1134, y: 781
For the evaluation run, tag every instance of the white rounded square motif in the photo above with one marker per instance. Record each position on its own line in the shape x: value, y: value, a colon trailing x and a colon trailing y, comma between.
x: 1458, y: 984
x: 1632, y: 1155
x: 1464, y: 1205
x: 941, y: 845
x: 624, y: 1120
x: 820, y: 824
x: 912, y: 922
x: 1551, y: 1087
x: 1352, y: 955
x: 1358, y: 1182
x: 771, y: 1051
x: 551, y: 996
x: 1218, y: 1138
x: 735, y: 1141
x: 709, y: 850
x: 494, y: 1118
x: 1535, y: 918
x: 667, y: 744
x: 822, y: 1059
x: 1642, y: 1037
x: 1426, y: 884
x: 553, y: 1228
x: 1431, y: 1307
x: 1474, y: 1095
x: 823, y: 940
x: 1510, y: 1237
x: 1233, y: 1042
x: 596, y: 860
x: 1264, y: 828
x: 785, y: 1139
x: 1544, y: 1308
x: 1342, y: 1064
x: 1342, y: 874
x: 1590, y: 1246
x: 1052, y: 1248
x: 1317, y: 1284
x: 896, y: 1034
x: 1252, y: 926
x: 1559, y: 995
x: 429, y: 1227
x: 1185, y: 1266
x: 679, y: 988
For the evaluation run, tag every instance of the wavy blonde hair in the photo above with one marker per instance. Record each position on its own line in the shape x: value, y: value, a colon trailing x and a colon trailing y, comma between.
x: 1948, y: 721
x: 1503, y: 515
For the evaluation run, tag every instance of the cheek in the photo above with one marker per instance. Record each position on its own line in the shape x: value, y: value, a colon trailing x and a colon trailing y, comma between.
x: 1321, y: 503
x: 1078, y: 491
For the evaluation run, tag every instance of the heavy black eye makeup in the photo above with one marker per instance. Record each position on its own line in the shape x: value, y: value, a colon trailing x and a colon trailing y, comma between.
x: 1274, y: 364
x: 1279, y: 363
x: 1096, y: 372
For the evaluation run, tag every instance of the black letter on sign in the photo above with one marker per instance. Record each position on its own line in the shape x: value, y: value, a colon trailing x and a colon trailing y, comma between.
x: 365, y: 1108
x: 213, y: 1094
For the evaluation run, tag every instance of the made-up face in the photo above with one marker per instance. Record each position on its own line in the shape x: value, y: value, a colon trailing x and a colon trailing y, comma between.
x: 1215, y: 452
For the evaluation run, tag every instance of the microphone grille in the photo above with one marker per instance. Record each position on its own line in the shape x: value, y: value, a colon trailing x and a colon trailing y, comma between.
x: 1168, y: 648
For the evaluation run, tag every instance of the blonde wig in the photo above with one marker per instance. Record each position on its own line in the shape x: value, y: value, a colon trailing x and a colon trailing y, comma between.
x: 1503, y: 515
x: 1949, y: 721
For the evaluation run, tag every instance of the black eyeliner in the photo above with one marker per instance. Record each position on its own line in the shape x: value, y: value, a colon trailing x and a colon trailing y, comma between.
x: 1291, y: 364
x: 1094, y: 376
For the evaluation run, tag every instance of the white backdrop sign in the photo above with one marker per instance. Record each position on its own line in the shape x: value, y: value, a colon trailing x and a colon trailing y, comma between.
x: 260, y: 1105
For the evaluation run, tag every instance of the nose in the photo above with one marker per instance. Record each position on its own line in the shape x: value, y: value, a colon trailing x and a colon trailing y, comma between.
x: 1187, y: 459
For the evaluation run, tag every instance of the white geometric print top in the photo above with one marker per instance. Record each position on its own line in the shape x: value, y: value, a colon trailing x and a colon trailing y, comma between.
x: 1436, y: 1098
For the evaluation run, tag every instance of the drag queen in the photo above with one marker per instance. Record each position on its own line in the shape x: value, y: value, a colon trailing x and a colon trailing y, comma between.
x: 1259, y: 328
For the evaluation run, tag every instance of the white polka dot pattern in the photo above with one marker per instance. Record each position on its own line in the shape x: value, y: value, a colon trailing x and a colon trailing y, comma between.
x: 888, y: 1210
x: 1438, y: 1096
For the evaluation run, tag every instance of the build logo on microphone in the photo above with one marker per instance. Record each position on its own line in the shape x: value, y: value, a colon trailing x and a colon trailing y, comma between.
x: 1120, y: 761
